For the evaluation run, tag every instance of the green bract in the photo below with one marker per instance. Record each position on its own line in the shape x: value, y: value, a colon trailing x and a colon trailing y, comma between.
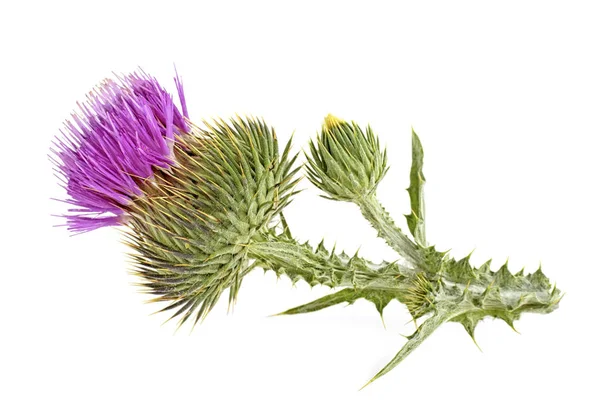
x: 346, y: 162
x: 192, y: 227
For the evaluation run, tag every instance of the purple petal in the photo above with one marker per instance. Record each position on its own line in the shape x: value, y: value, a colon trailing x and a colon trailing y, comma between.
x: 123, y: 130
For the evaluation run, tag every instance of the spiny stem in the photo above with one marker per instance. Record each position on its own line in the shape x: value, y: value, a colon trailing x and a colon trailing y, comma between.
x: 317, y: 266
x: 380, y: 219
x: 446, y: 289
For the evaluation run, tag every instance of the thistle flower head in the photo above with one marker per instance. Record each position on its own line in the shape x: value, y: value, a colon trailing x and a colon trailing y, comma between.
x: 192, y: 227
x: 346, y: 162
x: 124, y: 129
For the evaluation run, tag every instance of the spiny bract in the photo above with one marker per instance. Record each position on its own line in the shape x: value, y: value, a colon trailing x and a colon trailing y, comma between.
x: 192, y: 227
x: 346, y: 162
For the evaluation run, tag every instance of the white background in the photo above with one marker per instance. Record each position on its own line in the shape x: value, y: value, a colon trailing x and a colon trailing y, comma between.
x: 506, y: 99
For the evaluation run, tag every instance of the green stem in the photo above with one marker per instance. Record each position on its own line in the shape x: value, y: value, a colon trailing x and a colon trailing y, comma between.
x: 453, y: 291
x: 380, y: 219
x: 494, y: 292
x: 320, y: 267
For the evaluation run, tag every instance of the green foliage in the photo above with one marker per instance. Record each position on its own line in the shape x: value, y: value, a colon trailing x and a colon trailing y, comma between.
x: 416, y: 218
x: 285, y: 256
x: 215, y: 215
x: 347, y: 164
x: 454, y: 291
x: 374, y: 212
x: 432, y: 285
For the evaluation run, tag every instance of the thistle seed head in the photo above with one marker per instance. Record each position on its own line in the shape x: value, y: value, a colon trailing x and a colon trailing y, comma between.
x: 124, y: 130
x: 346, y: 162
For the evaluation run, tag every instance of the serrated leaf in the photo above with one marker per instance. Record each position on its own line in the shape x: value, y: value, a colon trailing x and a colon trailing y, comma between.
x: 345, y: 295
x: 469, y: 321
x: 427, y: 328
x: 416, y: 219
x: 380, y: 298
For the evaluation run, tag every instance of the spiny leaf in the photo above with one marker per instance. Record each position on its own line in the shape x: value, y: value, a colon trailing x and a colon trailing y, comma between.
x: 427, y: 328
x: 469, y: 322
x: 379, y: 297
x: 345, y: 295
x: 416, y: 219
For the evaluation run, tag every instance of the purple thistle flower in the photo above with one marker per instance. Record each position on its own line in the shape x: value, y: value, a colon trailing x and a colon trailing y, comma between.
x: 125, y: 128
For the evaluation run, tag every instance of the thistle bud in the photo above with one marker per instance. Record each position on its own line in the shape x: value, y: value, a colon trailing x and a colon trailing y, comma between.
x: 124, y: 130
x: 346, y: 162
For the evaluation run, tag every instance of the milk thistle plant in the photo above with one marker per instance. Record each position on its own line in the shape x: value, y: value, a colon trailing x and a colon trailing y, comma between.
x: 202, y: 206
